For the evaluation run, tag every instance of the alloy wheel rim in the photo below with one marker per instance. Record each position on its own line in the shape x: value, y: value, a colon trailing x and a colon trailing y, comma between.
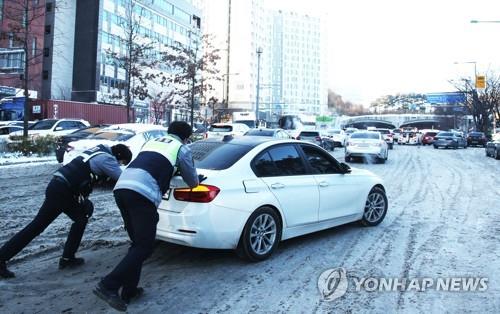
x: 263, y: 234
x: 374, y: 207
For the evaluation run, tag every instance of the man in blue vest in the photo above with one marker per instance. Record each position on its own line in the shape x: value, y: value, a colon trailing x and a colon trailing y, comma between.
x: 138, y: 194
x: 67, y: 192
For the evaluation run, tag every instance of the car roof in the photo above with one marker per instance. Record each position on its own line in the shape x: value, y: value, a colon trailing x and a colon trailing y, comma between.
x: 136, y: 127
x: 248, y: 140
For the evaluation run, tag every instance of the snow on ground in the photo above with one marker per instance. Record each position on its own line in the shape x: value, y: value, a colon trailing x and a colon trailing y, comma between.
x: 18, y: 158
x: 443, y: 221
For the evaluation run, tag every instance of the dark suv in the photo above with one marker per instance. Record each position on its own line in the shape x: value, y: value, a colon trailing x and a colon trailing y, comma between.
x: 476, y: 138
x: 312, y: 137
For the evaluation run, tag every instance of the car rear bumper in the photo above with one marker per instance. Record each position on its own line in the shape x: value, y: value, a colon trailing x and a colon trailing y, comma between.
x: 364, y: 152
x: 202, y: 226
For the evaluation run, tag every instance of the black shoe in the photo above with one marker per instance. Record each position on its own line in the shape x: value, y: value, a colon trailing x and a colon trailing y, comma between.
x: 4, y: 272
x: 70, y: 262
x: 110, y: 297
x: 128, y: 297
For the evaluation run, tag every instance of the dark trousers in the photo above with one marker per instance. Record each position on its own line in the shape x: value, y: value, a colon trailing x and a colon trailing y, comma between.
x: 140, y: 218
x: 58, y: 199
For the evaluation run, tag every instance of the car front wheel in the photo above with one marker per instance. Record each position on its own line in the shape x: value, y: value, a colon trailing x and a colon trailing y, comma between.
x: 375, y: 207
x: 261, y: 235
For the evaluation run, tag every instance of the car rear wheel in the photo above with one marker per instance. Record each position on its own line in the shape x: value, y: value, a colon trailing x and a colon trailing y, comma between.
x: 375, y: 207
x: 497, y: 154
x: 261, y: 235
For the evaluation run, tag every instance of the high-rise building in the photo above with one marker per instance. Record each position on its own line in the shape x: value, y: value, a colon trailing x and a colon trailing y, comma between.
x: 99, y: 29
x: 293, y: 46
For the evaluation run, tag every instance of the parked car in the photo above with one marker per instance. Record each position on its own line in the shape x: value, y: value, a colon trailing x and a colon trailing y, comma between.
x: 274, y: 133
x: 476, y: 138
x: 493, y: 149
x: 311, y: 137
x: 366, y: 144
x: 349, y: 131
x: 55, y: 127
x: 5, y: 130
x: 448, y: 139
x: 387, y: 135
x: 290, y: 188
x: 219, y: 130
x: 62, y: 141
x: 338, y: 136
x: 134, y: 135
x: 428, y: 137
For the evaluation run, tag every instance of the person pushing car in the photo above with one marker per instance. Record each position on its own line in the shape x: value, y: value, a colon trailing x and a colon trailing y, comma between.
x: 138, y: 194
x: 68, y: 192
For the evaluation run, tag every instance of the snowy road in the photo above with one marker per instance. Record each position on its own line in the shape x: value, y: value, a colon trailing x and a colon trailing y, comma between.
x: 443, y: 221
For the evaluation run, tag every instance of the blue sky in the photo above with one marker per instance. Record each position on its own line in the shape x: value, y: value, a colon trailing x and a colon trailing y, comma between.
x: 400, y: 46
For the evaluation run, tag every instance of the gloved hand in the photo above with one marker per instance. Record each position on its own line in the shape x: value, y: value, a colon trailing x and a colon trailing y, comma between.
x: 88, y: 208
x: 201, y: 178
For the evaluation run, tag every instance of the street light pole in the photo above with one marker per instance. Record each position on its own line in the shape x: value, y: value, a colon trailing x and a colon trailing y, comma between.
x: 259, y: 52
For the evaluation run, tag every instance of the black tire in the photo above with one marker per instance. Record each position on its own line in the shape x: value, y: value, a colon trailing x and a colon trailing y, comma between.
x: 391, y: 146
x: 376, y: 199
x: 497, y: 153
x: 436, y: 147
x: 245, y: 249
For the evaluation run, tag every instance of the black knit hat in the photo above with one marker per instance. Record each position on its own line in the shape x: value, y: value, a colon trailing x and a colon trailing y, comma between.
x: 181, y: 129
x: 122, y: 152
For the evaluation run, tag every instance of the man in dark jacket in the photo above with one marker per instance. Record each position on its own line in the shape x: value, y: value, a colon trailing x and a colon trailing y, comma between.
x: 138, y: 194
x: 68, y: 193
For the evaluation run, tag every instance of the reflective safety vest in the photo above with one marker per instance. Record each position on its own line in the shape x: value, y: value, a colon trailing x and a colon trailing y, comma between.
x: 77, y: 172
x: 159, y: 158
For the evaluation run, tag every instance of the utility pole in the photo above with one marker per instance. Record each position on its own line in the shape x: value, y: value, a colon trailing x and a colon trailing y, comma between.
x: 259, y: 52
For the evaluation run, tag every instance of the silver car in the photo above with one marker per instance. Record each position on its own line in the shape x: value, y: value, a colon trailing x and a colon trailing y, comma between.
x: 366, y: 144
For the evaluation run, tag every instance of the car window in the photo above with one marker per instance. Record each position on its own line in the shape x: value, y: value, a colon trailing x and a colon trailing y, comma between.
x: 43, y: 125
x: 309, y: 134
x: 264, y: 166
x: 220, y: 128
x: 319, y: 161
x: 4, y: 131
x: 217, y: 155
x: 112, y: 136
x: 287, y: 160
x: 66, y: 125
x: 445, y: 134
x: 366, y: 135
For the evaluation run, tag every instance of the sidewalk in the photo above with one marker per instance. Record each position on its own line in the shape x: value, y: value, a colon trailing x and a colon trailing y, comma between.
x: 7, y: 159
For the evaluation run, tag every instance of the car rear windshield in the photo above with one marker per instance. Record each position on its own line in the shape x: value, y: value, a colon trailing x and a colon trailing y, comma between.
x: 365, y: 135
x: 312, y: 134
x: 217, y: 155
x: 476, y: 133
x: 430, y: 133
x: 258, y: 132
x: 383, y: 131
x: 220, y: 128
x: 445, y: 134
x: 112, y: 136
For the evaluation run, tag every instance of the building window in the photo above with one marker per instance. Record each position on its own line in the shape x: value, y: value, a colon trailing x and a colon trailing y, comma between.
x: 12, y: 61
x: 45, y: 75
x: 46, y: 52
x: 33, y: 47
x: 48, y: 29
x: 48, y: 7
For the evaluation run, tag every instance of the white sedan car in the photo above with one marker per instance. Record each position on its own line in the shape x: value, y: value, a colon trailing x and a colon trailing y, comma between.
x: 219, y: 130
x: 134, y: 135
x: 366, y: 144
x: 260, y: 191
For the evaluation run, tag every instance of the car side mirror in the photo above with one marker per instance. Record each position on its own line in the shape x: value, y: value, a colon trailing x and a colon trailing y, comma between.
x: 345, y: 168
x: 59, y: 128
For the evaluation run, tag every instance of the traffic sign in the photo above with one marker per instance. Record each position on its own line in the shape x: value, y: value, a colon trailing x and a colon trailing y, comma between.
x: 480, y: 81
x: 445, y: 98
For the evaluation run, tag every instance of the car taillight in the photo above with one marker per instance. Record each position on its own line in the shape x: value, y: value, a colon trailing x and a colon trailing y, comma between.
x: 297, y: 138
x: 390, y: 135
x: 200, y: 194
x: 69, y: 148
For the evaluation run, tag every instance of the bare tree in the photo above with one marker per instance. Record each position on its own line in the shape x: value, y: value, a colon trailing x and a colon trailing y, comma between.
x: 25, y: 18
x: 193, y: 72
x: 483, y: 104
x: 138, y: 55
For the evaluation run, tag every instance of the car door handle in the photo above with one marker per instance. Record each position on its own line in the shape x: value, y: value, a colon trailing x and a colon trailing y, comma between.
x: 277, y: 185
x: 323, y: 184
